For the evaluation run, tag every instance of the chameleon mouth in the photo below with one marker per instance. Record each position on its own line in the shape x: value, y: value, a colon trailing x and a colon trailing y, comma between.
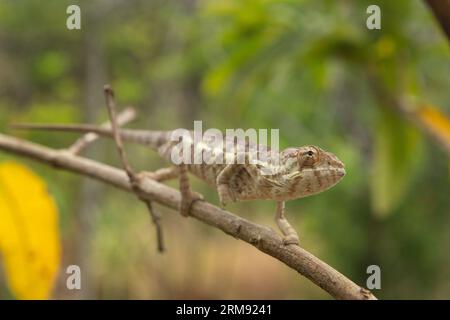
x: 340, y: 172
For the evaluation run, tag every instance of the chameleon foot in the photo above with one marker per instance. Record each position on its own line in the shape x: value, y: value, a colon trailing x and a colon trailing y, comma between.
x: 187, y: 201
x: 291, y: 239
x: 224, y: 194
x: 187, y: 195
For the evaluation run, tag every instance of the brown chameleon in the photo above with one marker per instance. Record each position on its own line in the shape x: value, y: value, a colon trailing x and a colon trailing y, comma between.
x: 300, y: 171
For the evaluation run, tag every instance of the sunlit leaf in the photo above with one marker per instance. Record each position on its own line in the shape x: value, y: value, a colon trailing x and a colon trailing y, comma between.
x: 436, y: 123
x: 29, y: 234
x: 395, y: 155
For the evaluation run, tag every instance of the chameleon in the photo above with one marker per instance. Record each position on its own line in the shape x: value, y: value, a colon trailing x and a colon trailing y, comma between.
x: 300, y: 171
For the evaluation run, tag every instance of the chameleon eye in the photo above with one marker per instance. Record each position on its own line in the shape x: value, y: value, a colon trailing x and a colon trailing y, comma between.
x: 307, y: 158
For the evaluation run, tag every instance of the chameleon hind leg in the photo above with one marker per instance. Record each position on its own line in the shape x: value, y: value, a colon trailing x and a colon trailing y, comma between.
x: 290, y: 235
x: 187, y: 195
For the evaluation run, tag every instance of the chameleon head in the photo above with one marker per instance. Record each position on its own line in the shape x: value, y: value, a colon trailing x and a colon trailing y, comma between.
x: 312, y: 170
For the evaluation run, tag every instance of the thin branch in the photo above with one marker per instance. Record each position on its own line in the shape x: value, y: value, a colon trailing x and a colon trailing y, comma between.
x: 111, y: 105
x: 263, y: 238
x: 156, y: 219
x: 132, y: 176
x: 127, y: 115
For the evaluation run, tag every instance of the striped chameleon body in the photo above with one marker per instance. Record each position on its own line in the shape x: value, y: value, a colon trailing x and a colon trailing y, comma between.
x: 300, y: 172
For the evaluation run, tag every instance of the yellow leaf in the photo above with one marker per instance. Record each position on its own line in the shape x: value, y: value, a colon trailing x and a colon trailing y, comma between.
x: 436, y: 123
x: 29, y: 233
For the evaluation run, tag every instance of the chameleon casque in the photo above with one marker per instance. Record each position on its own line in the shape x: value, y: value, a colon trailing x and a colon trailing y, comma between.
x: 300, y: 171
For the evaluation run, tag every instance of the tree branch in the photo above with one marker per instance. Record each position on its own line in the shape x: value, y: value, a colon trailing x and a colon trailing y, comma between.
x: 263, y: 238
x: 441, y: 10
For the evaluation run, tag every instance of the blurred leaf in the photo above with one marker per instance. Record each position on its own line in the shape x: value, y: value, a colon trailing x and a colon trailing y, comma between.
x: 130, y: 89
x: 346, y: 45
x: 51, y: 112
x: 219, y: 78
x: 29, y: 235
x: 395, y: 156
x: 50, y: 66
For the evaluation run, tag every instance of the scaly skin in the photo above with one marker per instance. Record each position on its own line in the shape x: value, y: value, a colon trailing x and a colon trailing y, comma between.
x: 301, y: 171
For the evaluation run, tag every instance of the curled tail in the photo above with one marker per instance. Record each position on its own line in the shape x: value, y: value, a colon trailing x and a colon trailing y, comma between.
x: 153, y: 139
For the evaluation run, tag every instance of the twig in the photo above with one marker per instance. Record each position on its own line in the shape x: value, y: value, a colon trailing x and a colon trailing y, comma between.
x: 263, y: 238
x: 111, y: 105
x: 156, y: 219
x: 134, y: 179
x: 127, y: 115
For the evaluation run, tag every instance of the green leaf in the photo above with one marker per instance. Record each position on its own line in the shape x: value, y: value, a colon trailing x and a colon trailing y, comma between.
x: 396, y: 151
x: 50, y: 66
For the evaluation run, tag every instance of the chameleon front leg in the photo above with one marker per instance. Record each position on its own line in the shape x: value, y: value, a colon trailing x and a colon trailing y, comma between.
x: 290, y: 235
x: 187, y: 195
x: 222, y: 182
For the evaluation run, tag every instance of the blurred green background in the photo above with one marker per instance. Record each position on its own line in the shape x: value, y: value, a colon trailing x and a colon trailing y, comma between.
x: 309, y: 68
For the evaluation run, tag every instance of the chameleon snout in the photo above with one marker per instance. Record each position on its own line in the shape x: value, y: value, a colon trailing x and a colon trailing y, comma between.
x: 341, y: 172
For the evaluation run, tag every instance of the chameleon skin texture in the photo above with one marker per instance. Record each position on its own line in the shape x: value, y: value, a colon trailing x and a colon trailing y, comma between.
x: 299, y: 172
x: 302, y: 172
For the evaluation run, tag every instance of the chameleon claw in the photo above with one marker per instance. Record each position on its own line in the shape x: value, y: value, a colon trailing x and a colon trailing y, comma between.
x: 224, y: 195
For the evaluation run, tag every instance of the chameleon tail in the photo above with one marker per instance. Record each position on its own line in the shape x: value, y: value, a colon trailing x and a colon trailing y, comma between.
x: 150, y: 138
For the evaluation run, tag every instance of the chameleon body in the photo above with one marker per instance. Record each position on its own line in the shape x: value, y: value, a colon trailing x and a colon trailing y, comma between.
x: 300, y: 171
